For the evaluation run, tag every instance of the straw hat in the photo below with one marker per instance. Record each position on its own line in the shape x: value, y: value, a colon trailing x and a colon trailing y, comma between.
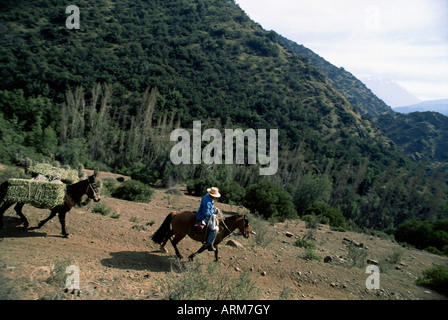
x: 214, y: 192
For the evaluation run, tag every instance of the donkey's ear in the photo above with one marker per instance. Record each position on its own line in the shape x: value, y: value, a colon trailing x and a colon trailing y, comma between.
x: 95, y: 172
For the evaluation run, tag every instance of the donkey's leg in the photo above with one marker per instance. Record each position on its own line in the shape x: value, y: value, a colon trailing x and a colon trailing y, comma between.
x: 61, y: 216
x: 53, y: 213
x: 3, y: 208
x: 18, y: 208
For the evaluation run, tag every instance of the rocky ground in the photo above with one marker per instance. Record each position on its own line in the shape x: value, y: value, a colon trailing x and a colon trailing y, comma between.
x: 117, y: 259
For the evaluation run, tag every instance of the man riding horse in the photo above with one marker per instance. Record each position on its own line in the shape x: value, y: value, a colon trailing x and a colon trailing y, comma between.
x: 206, y: 216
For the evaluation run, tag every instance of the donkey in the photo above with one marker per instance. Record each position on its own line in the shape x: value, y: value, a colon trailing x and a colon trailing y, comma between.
x: 73, y: 197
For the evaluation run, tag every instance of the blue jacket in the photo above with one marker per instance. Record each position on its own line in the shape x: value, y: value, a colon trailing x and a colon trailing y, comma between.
x: 206, y: 209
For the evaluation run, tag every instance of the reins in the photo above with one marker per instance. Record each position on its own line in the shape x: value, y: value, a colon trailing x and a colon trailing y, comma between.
x: 220, y: 214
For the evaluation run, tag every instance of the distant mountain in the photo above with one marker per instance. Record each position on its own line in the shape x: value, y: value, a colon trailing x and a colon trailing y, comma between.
x: 355, y: 91
x: 390, y: 92
x: 440, y: 106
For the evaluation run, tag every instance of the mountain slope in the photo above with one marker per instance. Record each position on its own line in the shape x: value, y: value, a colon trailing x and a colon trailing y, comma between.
x: 206, y: 58
x: 111, y: 93
x: 422, y: 135
x: 418, y: 136
x: 354, y: 90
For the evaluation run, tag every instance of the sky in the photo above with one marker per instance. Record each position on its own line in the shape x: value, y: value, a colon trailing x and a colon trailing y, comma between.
x: 405, y: 41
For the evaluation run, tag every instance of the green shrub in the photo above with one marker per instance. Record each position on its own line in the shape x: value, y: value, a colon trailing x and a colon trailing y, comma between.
x: 198, y: 187
x: 269, y: 201
x: 132, y: 190
x: 327, y: 214
x: 262, y: 237
x: 232, y: 193
x: 305, y: 242
x: 424, y: 234
x: 115, y: 216
x: 209, y: 282
x: 311, y: 190
x: 310, y: 254
x: 356, y: 256
x: 311, y: 221
x: 435, y: 278
x: 102, y: 209
x: 145, y: 174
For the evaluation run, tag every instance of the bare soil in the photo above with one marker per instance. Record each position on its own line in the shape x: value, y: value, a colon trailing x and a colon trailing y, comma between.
x: 118, y: 260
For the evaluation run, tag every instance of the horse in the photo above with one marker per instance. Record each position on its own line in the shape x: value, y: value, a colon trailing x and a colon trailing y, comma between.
x: 182, y: 223
x: 73, y: 197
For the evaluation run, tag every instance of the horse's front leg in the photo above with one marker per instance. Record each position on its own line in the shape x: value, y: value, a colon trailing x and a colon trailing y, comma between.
x: 202, y: 249
x: 216, y: 252
x: 18, y: 208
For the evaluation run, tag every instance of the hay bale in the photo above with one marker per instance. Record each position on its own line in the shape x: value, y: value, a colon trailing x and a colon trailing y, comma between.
x: 38, y: 193
x: 66, y: 175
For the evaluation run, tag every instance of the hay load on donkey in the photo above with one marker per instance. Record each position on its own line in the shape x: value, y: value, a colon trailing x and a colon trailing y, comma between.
x: 37, y: 193
x: 66, y: 175
x: 58, y: 197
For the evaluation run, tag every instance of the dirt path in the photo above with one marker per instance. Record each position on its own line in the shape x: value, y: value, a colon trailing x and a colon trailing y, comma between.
x: 117, y: 259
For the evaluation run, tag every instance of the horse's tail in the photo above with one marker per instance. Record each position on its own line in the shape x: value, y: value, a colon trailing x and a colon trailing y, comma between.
x: 164, y: 232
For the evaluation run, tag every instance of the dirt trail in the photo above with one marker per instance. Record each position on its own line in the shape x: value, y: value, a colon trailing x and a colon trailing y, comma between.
x: 117, y: 259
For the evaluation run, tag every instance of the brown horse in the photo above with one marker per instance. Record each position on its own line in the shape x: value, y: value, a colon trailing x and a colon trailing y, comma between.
x: 182, y: 223
x: 73, y: 197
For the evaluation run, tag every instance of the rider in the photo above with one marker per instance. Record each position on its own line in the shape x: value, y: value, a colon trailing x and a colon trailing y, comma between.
x: 206, y: 215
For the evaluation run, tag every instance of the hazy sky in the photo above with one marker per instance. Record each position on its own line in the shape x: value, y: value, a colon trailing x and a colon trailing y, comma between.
x: 405, y: 41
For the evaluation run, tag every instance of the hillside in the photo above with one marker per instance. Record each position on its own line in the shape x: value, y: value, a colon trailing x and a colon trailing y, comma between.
x: 117, y: 259
x: 421, y: 135
x: 411, y: 134
x: 207, y: 59
x: 354, y: 90
x: 109, y: 95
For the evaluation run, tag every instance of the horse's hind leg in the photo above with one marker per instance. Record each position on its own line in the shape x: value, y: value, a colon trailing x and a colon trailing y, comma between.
x: 18, y: 208
x: 174, y: 242
x: 167, y: 237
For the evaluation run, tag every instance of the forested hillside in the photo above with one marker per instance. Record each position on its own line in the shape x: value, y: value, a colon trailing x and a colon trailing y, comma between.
x: 421, y: 136
x: 110, y: 94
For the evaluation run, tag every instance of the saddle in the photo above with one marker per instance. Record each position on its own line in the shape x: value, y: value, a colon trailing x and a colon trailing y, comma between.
x: 199, y: 226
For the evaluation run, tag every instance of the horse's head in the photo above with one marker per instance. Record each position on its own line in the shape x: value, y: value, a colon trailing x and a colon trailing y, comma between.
x: 245, y: 228
x: 93, y: 190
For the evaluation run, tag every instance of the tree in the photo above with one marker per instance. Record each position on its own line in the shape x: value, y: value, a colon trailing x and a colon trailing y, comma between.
x: 312, y: 188
x: 269, y: 201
